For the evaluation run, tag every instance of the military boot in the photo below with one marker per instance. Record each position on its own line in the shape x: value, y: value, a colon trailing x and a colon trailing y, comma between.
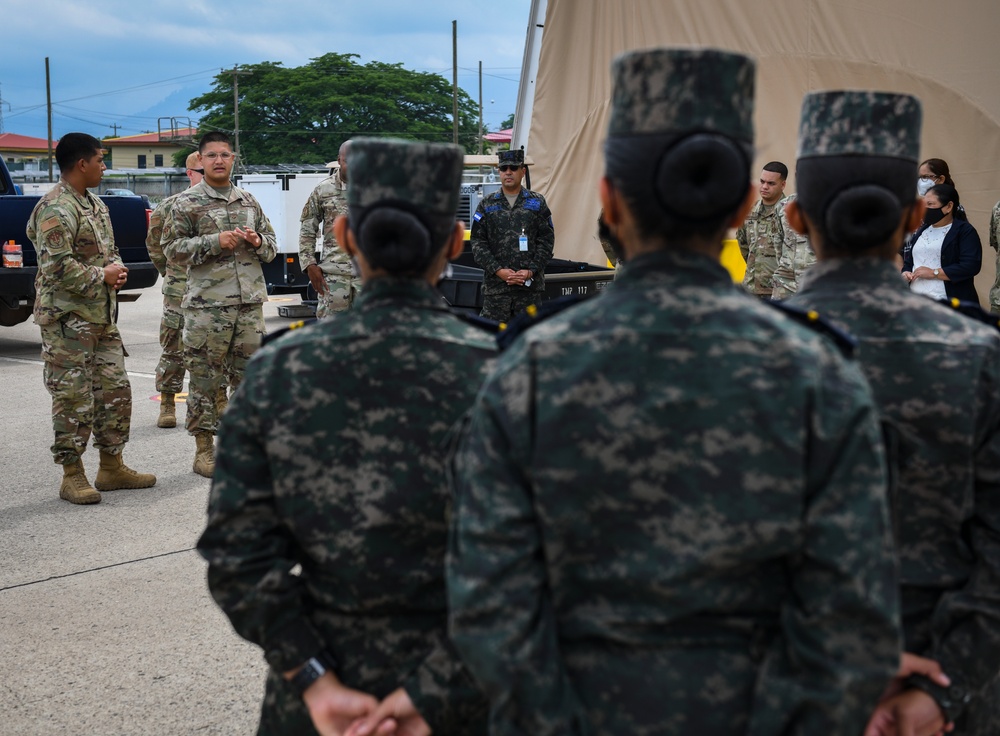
x: 114, y: 474
x: 221, y: 402
x: 204, y: 454
x: 75, y: 487
x: 168, y: 411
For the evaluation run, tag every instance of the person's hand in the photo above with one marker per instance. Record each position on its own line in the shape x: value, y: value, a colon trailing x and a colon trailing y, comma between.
x: 923, y: 272
x: 396, y: 715
x: 228, y: 239
x: 523, y: 275
x: 115, y: 275
x: 909, y: 713
x: 504, y: 274
x: 908, y: 275
x: 333, y: 707
x: 250, y: 235
x: 315, y: 274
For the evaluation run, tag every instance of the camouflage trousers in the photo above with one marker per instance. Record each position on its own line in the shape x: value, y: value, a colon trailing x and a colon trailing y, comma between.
x: 170, y: 368
x: 341, y: 291
x: 505, y: 306
x: 995, y: 291
x: 218, y: 342
x: 85, y: 374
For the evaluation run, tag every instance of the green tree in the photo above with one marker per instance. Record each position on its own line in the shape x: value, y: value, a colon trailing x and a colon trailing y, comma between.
x: 508, y: 122
x: 303, y: 114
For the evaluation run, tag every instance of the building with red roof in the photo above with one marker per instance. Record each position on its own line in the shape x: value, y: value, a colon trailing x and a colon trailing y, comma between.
x: 24, y: 153
x: 149, y: 150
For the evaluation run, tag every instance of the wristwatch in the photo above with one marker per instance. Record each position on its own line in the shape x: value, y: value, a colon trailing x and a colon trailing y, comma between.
x: 311, y: 671
x: 952, y: 700
x: 936, y: 272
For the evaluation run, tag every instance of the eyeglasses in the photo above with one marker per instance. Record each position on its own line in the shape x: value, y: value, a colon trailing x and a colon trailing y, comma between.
x: 225, y: 156
x: 198, y: 171
x: 509, y: 167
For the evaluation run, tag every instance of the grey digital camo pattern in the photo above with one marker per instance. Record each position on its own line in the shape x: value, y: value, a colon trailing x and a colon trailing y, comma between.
x: 794, y: 258
x: 326, y: 202
x: 332, y: 456
x: 857, y: 122
x: 995, y: 244
x: 678, y: 90
x: 218, y: 277
x: 73, y: 241
x: 760, y: 239
x: 426, y: 175
x: 936, y: 377
x: 671, y: 517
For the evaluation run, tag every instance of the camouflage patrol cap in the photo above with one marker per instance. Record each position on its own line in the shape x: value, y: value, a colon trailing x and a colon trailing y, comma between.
x: 424, y: 175
x: 844, y: 123
x: 672, y: 90
x: 513, y: 156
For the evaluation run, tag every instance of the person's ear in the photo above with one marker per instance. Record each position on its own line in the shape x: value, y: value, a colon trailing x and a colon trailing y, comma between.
x: 795, y: 218
x: 457, y: 244
x: 345, y: 238
x: 610, y: 202
x: 916, y: 216
x: 745, y: 206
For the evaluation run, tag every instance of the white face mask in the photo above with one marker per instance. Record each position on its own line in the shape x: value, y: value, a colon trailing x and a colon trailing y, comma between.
x: 924, y: 185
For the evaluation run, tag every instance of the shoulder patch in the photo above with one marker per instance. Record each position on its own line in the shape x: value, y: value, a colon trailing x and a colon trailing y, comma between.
x: 478, y: 216
x: 813, y: 319
x: 49, y: 223
x: 535, y: 315
x: 298, y: 325
x: 533, y: 204
x: 973, y: 310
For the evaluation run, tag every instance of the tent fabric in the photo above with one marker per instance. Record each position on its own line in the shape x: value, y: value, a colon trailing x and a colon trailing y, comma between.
x: 947, y: 55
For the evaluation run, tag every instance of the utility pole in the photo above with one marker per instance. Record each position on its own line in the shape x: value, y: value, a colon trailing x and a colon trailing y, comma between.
x: 114, y: 126
x: 454, y: 80
x: 2, y: 103
x: 48, y: 103
x: 480, y: 108
x: 236, y: 107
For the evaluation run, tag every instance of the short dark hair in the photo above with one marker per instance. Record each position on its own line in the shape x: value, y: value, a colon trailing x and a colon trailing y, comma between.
x: 776, y: 167
x: 216, y: 136
x: 73, y: 147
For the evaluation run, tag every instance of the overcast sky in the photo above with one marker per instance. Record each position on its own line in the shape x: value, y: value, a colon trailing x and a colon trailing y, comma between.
x: 129, y: 63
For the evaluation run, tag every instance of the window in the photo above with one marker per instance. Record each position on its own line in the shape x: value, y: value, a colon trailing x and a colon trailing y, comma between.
x: 142, y: 161
x: 158, y: 160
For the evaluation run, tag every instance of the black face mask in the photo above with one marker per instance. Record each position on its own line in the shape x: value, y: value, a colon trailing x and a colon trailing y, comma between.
x: 933, y: 217
x: 604, y: 233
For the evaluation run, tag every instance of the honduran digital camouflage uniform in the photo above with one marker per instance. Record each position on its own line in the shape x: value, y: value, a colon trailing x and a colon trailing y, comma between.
x: 496, y: 229
x: 332, y: 456
x: 170, y: 368
x: 794, y: 257
x: 936, y: 377
x: 75, y: 308
x: 995, y: 244
x: 326, y: 202
x: 223, y: 316
x: 760, y: 239
x: 670, y: 512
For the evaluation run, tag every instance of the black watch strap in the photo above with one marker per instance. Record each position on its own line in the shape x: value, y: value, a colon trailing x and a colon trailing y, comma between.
x: 951, y: 700
x: 311, y: 671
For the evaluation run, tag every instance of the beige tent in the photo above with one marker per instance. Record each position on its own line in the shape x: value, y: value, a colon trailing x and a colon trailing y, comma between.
x: 946, y: 53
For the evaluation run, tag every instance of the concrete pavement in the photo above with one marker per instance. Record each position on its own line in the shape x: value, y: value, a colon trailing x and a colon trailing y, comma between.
x: 106, y: 624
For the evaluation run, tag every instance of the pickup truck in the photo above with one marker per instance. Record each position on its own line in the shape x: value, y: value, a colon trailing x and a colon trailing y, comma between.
x: 129, y: 220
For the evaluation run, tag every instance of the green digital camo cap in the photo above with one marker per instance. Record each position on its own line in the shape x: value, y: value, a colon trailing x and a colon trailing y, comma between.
x: 674, y: 90
x: 424, y: 175
x: 857, y: 123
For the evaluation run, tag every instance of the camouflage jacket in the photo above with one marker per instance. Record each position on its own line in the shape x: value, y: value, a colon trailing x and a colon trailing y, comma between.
x: 795, y: 256
x: 671, y: 517
x: 326, y: 202
x: 936, y: 377
x: 496, y: 228
x: 218, y: 278
x: 760, y: 238
x: 332, y: 456
x: 174, y: 275
x: 73, y: 241
x: 995, y: 244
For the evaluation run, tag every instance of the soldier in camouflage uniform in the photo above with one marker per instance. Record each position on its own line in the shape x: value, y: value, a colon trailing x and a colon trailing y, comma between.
x: 170, y: 368
x: 641, y: 543
x: 367, y: 400
x: 220, y: 234
x: 995, y: 244
x: 795, y: 256
x: 79, y: 275
x: 760, y: 237
x: 331, y: 276
x: 512, y: 241
x: 936, y: 377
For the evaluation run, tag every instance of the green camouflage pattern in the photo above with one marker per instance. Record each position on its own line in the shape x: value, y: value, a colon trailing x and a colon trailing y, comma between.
x: 995, y: 245
x: 216, y: 277
x: 218, y: 343
x: 681, y: 90
x: 795, y: 256
x: 73, y: 242
x: 936, y: 377
x: 84, y: 373
x: 511, y: 156
x: 839, y: 123
x: 174, y: 274
x: 760, y: 238
x: 427, y: 175
x: 171, y: 365
x: 496, y: 228
x: 332, y: 456
x: 326, y: 202
x: 670, y: 516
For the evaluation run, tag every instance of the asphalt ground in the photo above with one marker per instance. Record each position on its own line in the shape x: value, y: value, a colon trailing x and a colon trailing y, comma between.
x: 106, y: 622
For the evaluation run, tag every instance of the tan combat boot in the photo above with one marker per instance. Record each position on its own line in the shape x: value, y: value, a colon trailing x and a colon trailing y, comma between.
x: 75, y: 487
x: 221, y: 402
x: 204, y: 454
x: 114, y: 474
x: 168, y: 412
